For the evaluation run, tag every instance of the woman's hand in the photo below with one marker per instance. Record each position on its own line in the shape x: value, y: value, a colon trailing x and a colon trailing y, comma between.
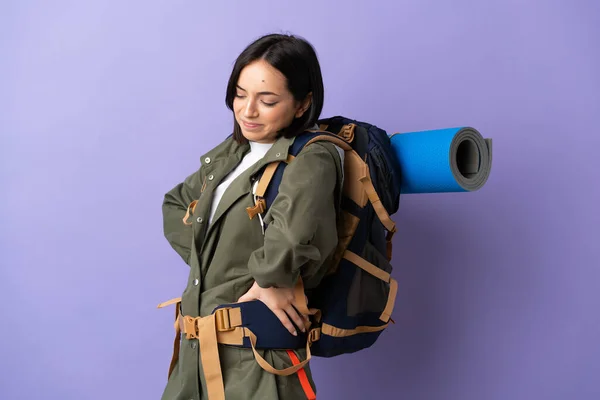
x: 279, y: 300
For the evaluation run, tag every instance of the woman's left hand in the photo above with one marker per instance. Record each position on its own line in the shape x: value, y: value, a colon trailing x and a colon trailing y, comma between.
x: 280, y: 301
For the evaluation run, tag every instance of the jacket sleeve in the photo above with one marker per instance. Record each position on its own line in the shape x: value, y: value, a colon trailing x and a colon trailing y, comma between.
x: 174, y: 207
x: 301, y: 232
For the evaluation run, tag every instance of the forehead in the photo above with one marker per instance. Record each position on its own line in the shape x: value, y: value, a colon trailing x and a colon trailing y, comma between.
x: 261, y: 76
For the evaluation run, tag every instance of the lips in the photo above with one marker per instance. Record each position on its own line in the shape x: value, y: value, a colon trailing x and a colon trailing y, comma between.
x: 249, y: 125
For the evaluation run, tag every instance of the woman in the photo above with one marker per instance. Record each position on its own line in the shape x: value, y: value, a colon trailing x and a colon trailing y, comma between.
x: 276, y: 93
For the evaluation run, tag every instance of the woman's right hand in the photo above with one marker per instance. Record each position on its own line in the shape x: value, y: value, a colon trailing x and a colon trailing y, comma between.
x: 280, y: 302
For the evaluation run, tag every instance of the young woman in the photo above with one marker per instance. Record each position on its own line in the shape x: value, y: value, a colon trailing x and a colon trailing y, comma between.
x: 275, y: 93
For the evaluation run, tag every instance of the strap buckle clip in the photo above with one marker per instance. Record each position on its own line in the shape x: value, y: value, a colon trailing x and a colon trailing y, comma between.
x: 223, y: 321
x: 190, y: 327
x: 314, y: 335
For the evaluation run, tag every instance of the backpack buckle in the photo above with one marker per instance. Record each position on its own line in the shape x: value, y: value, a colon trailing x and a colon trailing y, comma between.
x: 189, y: 326
x: 314, y: 335
x: 223, y: 321
x: 259, y: 208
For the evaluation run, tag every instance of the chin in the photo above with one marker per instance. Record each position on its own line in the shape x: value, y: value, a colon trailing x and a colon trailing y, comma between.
x: 256, y: 136
x: 253, y: 136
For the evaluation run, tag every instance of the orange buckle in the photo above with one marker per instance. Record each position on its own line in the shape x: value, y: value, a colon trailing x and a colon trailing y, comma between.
x: 314, y: 335
x: 190, y: 328
x: 259, y: 208
x: 223, y: 321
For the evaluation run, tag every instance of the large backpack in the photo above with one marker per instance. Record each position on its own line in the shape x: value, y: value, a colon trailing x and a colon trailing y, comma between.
x: 353, y: 303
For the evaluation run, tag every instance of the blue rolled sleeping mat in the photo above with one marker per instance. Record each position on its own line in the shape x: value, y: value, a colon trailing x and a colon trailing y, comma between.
x: 443, y: 160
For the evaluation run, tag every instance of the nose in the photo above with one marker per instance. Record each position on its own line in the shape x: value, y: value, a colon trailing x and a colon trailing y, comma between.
x: 250, y: 109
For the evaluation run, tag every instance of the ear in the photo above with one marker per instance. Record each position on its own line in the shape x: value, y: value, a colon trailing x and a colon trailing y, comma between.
x: 305, y: 105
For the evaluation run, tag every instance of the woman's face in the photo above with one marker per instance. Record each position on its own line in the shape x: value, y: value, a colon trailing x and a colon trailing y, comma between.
x: 263, y: 105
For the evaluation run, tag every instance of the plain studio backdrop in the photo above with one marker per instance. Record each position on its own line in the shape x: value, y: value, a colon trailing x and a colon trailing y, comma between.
x: 106, y: 105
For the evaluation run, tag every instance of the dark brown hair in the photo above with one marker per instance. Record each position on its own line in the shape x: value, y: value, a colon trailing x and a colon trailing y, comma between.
x: 297, y: 60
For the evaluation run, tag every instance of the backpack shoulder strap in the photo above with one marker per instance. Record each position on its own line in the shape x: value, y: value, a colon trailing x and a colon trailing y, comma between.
x: 261, y: 187
x: 333, y: 139
x: 264, y: 192
x: 266, y: 177
x: 359, y: 171
x: 362, y: 170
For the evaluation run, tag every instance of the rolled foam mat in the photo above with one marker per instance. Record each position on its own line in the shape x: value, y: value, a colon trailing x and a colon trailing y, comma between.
x: 443, y: 160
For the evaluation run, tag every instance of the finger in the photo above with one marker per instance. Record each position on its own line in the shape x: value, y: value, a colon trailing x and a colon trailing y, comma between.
x: 295, y: 316
x: 283, y: 317
x: 306, y: 320
x: 246, y: 297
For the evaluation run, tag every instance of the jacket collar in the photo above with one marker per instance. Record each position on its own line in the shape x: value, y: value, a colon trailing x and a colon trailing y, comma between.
x: 229, y: 147
x: 224, y: 158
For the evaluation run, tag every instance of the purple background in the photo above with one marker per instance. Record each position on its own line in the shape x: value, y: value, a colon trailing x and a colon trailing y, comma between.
x: 105, y: 105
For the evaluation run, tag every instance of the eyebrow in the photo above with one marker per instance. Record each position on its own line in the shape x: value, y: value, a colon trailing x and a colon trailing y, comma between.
x: 266, y: 93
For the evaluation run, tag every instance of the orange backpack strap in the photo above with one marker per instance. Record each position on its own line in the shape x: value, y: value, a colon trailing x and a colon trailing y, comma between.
x: 382, y: 213
x: 177, y: 340
x: 263, y: 183
x: 308, y: 390
x: 190, y: 210
x: 335, y: 140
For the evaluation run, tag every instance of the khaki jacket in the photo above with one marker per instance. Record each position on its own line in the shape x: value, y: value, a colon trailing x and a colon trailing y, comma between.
x: 227, y: 256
